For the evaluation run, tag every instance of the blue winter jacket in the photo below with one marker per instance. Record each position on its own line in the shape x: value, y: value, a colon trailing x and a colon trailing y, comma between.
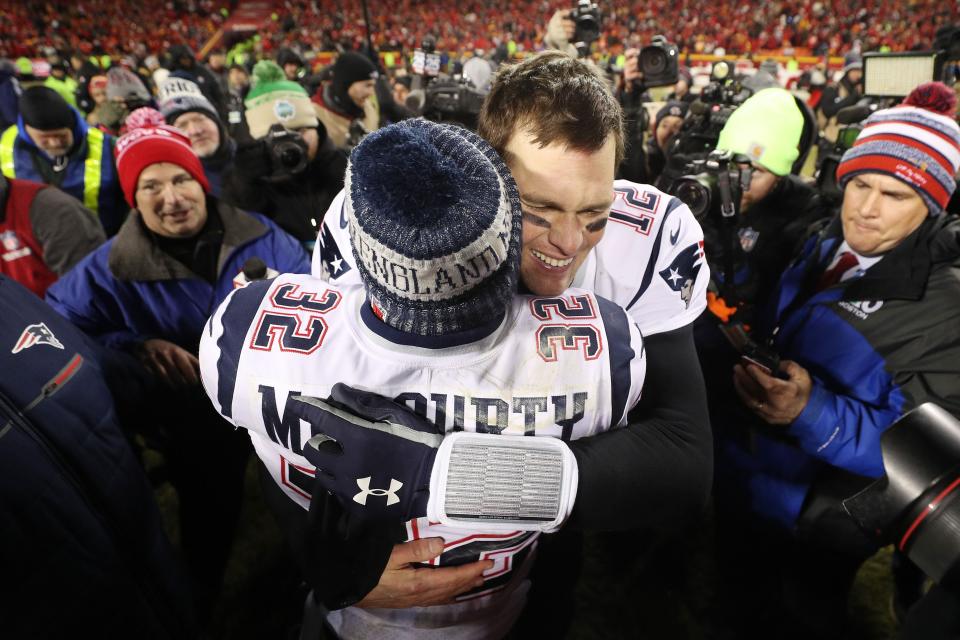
x: 128, y: 290
x: 875, y: 347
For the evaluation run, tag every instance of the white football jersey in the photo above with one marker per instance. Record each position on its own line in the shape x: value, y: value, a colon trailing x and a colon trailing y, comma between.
x: 565, y: 367
x: 650, y: 260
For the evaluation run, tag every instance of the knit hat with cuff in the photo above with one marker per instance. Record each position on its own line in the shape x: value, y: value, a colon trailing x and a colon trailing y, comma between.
x: 275, y: 100
x: 141, y: 147
x: 766, y: 128
x: 917, y: 142
x: 434, y: 220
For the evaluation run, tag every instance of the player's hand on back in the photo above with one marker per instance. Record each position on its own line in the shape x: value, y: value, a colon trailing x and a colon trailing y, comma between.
x: 405, y: 585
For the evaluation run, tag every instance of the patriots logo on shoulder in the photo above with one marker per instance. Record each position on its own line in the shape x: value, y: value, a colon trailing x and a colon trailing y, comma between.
x: 36, y: 334
x: 682, y: 273
x: 10, y: 240
x: 333, y: 263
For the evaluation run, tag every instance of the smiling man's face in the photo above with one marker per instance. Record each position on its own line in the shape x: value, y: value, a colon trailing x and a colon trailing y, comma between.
x: 566, y: 196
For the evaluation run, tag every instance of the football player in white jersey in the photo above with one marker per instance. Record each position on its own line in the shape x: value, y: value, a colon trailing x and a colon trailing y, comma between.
x: 559, y: 130
x: 435, y: 222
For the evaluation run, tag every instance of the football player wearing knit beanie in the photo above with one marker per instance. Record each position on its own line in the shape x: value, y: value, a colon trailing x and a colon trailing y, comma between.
x: 434, y: 200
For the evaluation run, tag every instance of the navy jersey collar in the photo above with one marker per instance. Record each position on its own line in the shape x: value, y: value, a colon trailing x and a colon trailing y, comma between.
x: 455, y: 339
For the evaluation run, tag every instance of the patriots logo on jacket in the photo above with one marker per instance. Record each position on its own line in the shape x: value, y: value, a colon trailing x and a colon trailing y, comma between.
x: 682, y: 272
x: 333, y: 263
x: 36, y: 334
x: 10, y: 240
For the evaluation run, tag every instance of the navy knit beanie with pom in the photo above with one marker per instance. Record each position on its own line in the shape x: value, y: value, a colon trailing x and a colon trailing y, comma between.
x: 434, y: 218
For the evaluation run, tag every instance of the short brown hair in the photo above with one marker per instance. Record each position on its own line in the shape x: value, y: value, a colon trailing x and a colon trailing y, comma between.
x: 557, y: 98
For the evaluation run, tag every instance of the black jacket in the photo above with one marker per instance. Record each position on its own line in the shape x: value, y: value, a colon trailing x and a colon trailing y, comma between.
x: 762, y: 242
x: 81, y: 541
x: 298, y: 204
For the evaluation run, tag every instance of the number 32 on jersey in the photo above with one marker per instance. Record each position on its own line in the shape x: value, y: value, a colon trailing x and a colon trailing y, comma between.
x: 554, y: 337
x: 294, y: 322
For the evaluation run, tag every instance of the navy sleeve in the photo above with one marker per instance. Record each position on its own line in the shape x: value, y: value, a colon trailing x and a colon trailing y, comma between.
x: 657, y: 471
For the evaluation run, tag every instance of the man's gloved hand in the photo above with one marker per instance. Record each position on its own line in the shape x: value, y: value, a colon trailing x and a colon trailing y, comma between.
x: 376, y: 455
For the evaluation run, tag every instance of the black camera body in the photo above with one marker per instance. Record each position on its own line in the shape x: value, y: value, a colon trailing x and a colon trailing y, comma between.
x: 453, y: 100
x: 659, y: 62
x: 586, y: 16
x: 286, y: 152
x: 712, y: 187
x: 916, y: 505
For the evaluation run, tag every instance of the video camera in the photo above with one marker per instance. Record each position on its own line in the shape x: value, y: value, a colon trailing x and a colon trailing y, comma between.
x: 712, y: 187
x: 916, y: 505
x: 709, y: 113
x: 586, y: 16
x: 453, y: 100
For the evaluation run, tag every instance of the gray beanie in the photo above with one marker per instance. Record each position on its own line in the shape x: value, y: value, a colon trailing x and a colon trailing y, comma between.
x: 180, y: 95
x: 435, y: 224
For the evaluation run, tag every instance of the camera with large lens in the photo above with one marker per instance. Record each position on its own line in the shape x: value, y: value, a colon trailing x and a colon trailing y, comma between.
x: 286, y: 151
x: 712, y: 187
x: 586, y: 17
x: 659, y: 62
x: 916, y: 505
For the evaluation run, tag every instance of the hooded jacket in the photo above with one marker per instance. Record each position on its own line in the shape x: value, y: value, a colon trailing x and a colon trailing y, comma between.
x: 90, y: 175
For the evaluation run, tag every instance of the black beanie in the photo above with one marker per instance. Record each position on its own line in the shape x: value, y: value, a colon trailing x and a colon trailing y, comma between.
x: 351, y: 67
x: 45, y: 109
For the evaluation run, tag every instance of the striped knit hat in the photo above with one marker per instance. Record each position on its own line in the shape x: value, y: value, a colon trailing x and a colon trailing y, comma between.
x: 917, y: 142
x: 434, y: 218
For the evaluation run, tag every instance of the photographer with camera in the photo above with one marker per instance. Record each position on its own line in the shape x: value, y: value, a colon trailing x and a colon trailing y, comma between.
x: 862, y: 327
x: 574, y: 30
x: 773, y: 211
x: 292, y: 170
x: 665, y: 126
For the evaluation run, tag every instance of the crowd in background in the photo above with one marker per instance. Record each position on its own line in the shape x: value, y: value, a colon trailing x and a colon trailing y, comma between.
x: 818, y: 27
